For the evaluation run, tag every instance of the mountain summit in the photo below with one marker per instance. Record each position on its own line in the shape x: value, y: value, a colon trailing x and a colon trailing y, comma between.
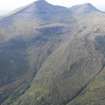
x: 83, y: 9
x: 40, y: 11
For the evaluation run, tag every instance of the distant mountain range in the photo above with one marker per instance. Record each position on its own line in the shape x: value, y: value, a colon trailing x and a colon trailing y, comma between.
x: 52, y: 55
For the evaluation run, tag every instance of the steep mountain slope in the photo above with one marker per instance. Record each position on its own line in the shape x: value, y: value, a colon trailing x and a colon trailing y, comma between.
x: 59, y: 80
x: 71, y: 67
x: 94, y: 93
x: 53, y: 61
x: 26, y: 43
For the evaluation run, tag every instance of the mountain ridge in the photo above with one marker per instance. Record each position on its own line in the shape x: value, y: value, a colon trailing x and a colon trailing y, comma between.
x: 52, y: 52
x: 45, y: 2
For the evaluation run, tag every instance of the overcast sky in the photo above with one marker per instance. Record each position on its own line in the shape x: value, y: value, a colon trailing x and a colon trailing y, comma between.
x: 10, y: 5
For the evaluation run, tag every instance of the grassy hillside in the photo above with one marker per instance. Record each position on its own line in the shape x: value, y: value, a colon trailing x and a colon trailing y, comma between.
x: 53, y: 56
x: 94, y: 92
x: 69, y: 69
x: 27, y: 38
x: 24, y: 57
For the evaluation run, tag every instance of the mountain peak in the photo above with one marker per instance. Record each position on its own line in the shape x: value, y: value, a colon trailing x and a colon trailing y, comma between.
x: 41, y: 1
x: 88, y: 6
x: 41, y: 10
x: 83, y: 9
x: 41, y: 4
